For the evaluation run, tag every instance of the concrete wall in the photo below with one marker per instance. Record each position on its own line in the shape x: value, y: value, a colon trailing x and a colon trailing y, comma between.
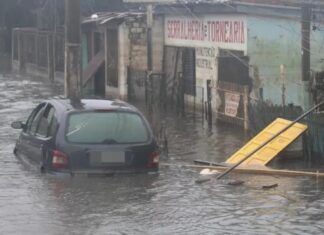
x: 137, y: 52
x: 120, y: 92
x: 273, y: 42
x: 138, y: 42
x: 158, y: 43
x: 123, y: 54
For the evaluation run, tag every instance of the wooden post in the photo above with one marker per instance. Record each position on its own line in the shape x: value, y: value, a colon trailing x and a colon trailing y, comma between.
x: 149, y: 86
x: 54, y: 38
x: 181, y: 94
x: 73, y: 66
x: 20, y: 51
x: 36, y: 48
x: 149, y: 18
x: 13, y: 46
x: 50, y: 57
x: 175, y: 74
x: 209, y: 99
x: 283, y: 79
x: 246, y: 107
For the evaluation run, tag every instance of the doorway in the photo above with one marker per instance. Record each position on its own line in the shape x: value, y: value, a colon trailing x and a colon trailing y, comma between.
x: 99, y: 81
x: 233, y: 67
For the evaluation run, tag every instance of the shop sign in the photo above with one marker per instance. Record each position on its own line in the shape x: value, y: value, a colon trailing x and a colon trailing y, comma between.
x: 227, y: 31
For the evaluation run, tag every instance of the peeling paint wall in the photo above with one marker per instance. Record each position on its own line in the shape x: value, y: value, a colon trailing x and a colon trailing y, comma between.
x: 273, y: 42
x: 132, y: 56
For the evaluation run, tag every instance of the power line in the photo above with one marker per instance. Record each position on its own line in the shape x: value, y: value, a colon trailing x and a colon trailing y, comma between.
x: 228, y: 5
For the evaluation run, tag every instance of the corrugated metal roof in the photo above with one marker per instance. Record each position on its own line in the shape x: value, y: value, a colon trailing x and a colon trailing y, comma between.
x: 104, y: 17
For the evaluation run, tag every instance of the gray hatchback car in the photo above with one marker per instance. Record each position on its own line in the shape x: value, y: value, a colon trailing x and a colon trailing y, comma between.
x: 91, y: 137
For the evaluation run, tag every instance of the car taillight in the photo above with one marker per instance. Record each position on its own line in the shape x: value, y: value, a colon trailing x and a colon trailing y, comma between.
x: 60, y: 160
x: 153, y: 161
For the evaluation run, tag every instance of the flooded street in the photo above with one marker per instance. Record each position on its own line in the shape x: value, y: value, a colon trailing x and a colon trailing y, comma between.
x: 168, y: 203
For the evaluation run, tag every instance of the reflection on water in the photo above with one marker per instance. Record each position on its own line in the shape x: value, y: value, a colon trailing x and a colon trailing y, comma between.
x: 168, y: 203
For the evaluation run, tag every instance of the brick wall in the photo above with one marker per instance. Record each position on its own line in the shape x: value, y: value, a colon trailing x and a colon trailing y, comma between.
x: 138, y: 43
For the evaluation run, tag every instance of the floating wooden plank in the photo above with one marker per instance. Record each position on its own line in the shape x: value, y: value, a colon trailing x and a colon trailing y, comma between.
x: 93, y: 66
x: 271, y: 150
x: 260, y: 171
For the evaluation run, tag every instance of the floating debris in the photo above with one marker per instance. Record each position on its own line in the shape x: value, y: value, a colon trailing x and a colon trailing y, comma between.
x: 269, y: 186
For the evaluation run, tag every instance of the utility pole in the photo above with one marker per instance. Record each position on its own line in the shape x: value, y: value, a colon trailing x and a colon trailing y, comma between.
x: 149, y: 16
x: 149, y: 82
x: 306, y: 12
x: 73, y: 69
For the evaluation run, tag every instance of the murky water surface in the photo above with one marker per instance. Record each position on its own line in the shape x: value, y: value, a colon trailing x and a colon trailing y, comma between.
x: 170, y: 203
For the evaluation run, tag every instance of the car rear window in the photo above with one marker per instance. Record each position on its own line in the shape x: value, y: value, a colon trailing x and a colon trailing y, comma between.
x: 106, y: 128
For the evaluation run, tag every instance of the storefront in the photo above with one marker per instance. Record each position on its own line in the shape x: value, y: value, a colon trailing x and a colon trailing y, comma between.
x: 209, y: 47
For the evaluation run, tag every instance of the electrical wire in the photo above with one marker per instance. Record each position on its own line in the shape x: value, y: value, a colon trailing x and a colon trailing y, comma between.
x: 229, y: 51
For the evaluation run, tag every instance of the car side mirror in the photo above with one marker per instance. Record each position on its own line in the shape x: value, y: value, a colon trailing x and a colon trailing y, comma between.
x: 18, y: 125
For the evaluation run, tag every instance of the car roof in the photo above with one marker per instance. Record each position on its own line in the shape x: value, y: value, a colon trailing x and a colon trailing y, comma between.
x: 63, y: 104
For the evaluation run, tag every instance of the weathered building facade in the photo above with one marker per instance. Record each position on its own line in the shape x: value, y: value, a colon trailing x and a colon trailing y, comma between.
x: 121, y: 40
x: 253, y: 45
x: 258, y: 46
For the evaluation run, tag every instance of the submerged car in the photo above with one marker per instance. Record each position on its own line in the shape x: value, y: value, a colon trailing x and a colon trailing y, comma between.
x: 87, y: 137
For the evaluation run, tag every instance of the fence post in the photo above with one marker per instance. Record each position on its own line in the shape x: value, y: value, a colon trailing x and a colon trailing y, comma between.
x: 180, y: 95
x: 20, y: 51
x: 246, y: 109
x: 36, y: 48
x: 13, y: 45
x: 163, y: 88
x: 202, y: 103
x: 209, y: 99
x: 50, y: 59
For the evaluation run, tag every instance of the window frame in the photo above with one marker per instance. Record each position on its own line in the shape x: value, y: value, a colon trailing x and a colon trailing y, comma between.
x: 30, y: 119
x: 47, y: 111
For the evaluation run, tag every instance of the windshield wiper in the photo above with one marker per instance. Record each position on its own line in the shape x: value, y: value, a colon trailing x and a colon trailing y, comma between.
x: 78, y: 127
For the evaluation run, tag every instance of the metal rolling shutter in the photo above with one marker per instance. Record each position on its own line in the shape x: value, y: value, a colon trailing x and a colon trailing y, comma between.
x: 189, y: 71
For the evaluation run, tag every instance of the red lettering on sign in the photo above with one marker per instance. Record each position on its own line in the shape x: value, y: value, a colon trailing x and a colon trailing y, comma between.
x: 221, y: 31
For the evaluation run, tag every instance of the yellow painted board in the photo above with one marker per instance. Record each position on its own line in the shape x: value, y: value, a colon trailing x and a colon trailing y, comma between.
x: 272, y: 149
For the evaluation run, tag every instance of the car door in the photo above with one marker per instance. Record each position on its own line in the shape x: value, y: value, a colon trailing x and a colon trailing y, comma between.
x: 28, y: 136
x: 42, y: 139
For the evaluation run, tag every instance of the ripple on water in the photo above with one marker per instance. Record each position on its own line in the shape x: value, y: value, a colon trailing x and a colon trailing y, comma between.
x: 170, y: 203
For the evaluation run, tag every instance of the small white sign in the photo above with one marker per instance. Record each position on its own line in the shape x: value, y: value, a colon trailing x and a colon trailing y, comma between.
x: 232, y: 101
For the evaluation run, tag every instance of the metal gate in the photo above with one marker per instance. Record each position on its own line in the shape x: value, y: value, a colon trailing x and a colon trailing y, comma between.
x: 233, y: 87
x: 234, y: 102
x: 189, y: 71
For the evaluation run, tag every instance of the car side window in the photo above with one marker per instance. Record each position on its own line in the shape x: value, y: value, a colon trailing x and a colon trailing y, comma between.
x: 47, y: 121
x: 53, y: 125
x: 36, y: 121
x: 32, y: 117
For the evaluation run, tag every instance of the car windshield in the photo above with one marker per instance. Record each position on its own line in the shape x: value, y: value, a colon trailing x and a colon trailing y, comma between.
x: 106, y: 128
